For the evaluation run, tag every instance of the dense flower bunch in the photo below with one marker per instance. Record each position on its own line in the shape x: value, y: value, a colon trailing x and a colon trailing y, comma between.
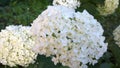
x: 16, y: 44
x: 116, y: 34
x: 109, y: 7
x: 71, y: 38
x: 68, y: 3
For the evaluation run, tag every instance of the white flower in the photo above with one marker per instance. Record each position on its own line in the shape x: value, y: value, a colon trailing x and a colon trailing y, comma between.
x: 109, y: 7
x: 16, y: 43
x: 116, y: 34
x: 72, y: 38
x: 68, y: 3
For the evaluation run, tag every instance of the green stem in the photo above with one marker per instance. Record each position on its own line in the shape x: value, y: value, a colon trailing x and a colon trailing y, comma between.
x: 5, y: 66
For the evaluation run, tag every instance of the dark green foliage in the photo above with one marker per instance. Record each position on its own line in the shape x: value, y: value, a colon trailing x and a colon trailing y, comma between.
x: 4, y: 2
x: 23, y: 12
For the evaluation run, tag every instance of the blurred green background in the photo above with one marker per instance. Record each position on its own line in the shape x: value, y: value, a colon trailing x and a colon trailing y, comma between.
x: 23, y: 12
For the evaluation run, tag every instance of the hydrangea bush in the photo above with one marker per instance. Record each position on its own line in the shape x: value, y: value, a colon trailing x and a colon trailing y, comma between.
x: 16, y: 43
x: 65, y: 35
x: 72, y: 38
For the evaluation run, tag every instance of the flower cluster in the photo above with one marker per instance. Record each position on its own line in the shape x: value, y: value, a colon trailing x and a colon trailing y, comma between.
x: 71, y: 38
x: 109, y: 7
x: 116, y: 34
x: 16, y: 43
x: 68, y: 3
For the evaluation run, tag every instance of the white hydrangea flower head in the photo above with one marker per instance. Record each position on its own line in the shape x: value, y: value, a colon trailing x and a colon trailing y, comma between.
x: 68, y: 3
x: 72, y: 38
x: 109, y: 7
x: 116, y: 34
x: 16, y: 43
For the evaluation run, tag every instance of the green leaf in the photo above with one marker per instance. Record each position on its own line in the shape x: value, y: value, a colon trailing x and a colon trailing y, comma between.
x: 106, y: 65
x: 91, y: 8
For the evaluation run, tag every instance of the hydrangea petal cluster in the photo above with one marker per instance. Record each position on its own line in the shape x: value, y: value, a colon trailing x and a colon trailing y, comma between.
x: 109, y: 7
x: 116, y: 34
x: 68, y: 3
x: 71, y: 38
x: 16, y: 43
